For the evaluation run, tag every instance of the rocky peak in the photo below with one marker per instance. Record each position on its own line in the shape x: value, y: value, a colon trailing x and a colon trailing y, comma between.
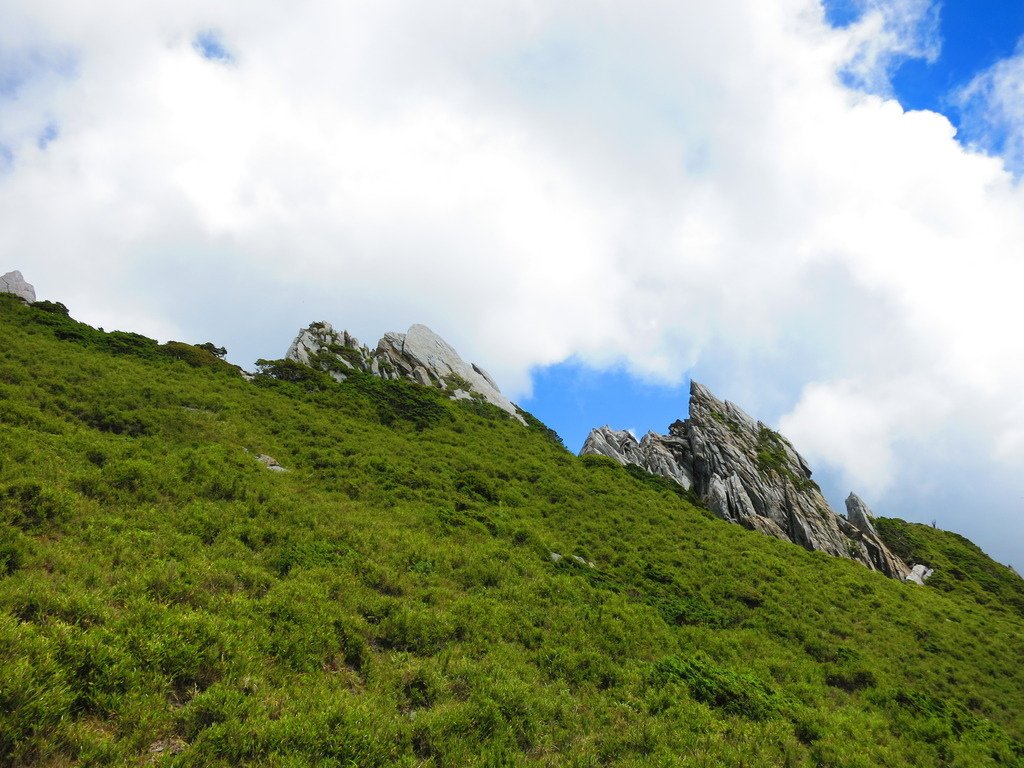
x: 418, y: 354
x: 655, y: 453
x: 747, y: 473
x: 857, y: 512
x: 618, y: 444
x: 14, y: 282
x: 320, y: 346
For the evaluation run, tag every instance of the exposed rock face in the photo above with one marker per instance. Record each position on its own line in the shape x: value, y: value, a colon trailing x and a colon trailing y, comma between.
x: 748, y: 474
x: 419, y: 354
x: 655, y: 453
x: 13, y: 282
x: 857, y: 512
x: 320, y: 346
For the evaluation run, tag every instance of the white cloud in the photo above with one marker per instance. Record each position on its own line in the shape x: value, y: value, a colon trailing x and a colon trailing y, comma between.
x: 666, y: 185
x: 992, y: 109
x: 886, y: 33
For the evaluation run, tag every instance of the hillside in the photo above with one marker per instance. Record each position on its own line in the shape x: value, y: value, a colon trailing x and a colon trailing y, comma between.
x: 430, y: 583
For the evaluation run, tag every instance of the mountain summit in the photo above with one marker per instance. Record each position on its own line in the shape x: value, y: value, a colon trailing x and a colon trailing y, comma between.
x: 14, y: 282
x: 747, y: 473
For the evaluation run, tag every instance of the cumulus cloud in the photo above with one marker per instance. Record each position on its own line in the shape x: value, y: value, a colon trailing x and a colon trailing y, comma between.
x: 719, y: 187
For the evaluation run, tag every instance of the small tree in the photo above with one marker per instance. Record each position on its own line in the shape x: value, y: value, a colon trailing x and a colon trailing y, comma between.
x: 213, y: 349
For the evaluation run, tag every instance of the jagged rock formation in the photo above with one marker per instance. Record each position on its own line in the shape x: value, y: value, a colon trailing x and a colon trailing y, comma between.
x: 419, y: 354
x: 747, y: 473
x: 13, y: 282
x: 655, y: 453
x: 858, y: 513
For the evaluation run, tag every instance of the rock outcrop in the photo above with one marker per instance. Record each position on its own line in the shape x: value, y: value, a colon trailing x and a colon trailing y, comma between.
x: 13, y: 282
x: 655, y: 453
x: 919, y: 574
x: 270, y: 463
x: 419, y: 354
x: 748, y: 474
x: 857, y: 512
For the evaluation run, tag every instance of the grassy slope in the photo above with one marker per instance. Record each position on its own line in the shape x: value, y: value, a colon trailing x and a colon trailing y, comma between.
x: 391, y: 600
x: 961, y: 568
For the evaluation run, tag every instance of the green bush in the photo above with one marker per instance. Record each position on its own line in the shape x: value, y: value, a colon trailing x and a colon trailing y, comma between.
x: 720, y: 687
x: 12, y: 550
x: 30, y: 506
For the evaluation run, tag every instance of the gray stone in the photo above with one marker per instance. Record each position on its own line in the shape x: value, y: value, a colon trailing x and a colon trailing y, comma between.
x: 919, y: 574
x: 13, y: 282
x: 746, y: 473
x: 616, y: 444
x: 419, y: 354
x: 320, y: 346
x: 857, y: 512
x: 658, y: 454
x: 270, y: 463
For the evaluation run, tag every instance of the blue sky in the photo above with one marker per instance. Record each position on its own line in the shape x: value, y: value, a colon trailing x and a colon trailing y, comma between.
x: 595, y: 203
x: 973, y: 35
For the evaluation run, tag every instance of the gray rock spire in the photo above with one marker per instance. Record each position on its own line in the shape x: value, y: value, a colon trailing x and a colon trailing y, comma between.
x: 749, y: 474
x: 857, y: 512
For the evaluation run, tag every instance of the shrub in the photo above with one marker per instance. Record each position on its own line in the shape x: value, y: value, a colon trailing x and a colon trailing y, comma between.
x: 118, y: 421
x: 29, y: 505
x: 308, y: 378
x: 214, y: 350
x: 720, y: 687
x: 401, y: 402
x: 53, y: 307
x: 197, y: 356
x: 127, y: 343
x: 12, y: 550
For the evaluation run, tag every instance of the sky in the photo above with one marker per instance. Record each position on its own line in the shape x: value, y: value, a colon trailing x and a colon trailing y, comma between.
x: 816, y: 210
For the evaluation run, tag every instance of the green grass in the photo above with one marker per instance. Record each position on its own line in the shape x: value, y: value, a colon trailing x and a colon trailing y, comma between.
x: 392, y: 599
x: 961, y: 568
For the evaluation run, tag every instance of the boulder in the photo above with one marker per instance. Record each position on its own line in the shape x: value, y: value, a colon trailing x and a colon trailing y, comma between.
x: 13, y: 282
x: 270, y: 463
x: 747, y: 473
x: 919, y: 574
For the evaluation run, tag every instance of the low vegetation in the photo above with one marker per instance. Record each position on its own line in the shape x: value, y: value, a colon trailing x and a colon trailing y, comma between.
x: 961, y: 568
x: 392, y: 598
